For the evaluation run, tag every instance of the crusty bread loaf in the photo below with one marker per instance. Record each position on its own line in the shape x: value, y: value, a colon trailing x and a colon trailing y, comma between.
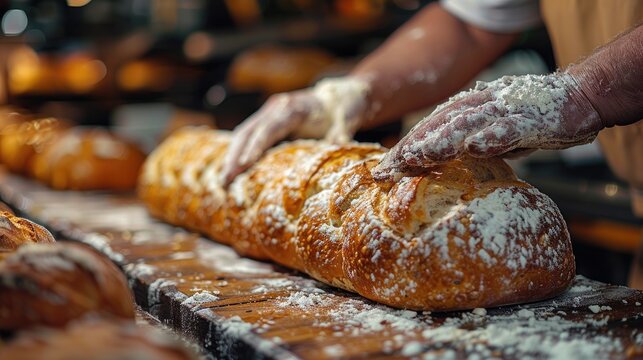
x: 97, y: 340
x: 16, y: 231
x: 4, y: 207
x: 88, y: 159
x: 68, y: 158
x: 461, y: 235
x: 52, y: 284
x: 19, y: 143
x: 10, y: 115
x: 275, y: 69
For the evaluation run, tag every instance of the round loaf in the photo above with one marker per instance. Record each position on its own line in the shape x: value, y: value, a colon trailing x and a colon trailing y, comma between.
x: 98, y: 340
x: 460, y: 235
x: 16, y: 231
x: 52, y: 284
x: 88, y: 159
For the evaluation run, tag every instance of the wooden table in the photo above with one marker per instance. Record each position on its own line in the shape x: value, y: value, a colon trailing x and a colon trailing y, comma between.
x: 239, y: 308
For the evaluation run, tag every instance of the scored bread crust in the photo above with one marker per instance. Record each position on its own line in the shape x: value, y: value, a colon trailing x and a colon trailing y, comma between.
x: 16, y: 231
x: 53, y: 284
x: 461, y: 235
x: 97, y: 339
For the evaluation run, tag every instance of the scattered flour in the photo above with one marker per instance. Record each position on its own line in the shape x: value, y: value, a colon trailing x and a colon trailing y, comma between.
x: 140, y: 269
x: 305, y: 300
x: 480, y: 311
x: 101, y: 243
x: 598, y: 308
x: 235, y: 326
x: 334, y: 350
x: 579, y: 288
x: 524, y: 313
x: 198, y: 299
x: 412, y: 348
x: 523, y: 336
x: 155, y: 288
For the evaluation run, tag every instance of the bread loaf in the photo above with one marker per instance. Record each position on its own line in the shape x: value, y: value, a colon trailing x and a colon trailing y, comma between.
x: 10, y: 115
x: 275, y: 69
x: 88, y: 159
x: 16, y: 231
x: 19, y: 143
x: 97, y: 340
x: 52, y: 284
x: 461, y: 235
x: 5, y: 208
x: 68, y: 158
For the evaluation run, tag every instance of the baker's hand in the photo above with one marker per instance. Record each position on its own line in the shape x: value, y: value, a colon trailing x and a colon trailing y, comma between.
x: 510, y: 114
x: 332, y: 109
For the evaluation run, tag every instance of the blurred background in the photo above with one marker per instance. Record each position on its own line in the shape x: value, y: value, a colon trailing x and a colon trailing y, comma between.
x: 145, y: 67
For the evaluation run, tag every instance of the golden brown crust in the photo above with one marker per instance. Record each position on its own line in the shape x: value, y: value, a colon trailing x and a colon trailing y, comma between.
x: 98, y: 340
x: 88, y: 159
x: 52, y: 284
x: 461, y: 235
x: 16, y: 231
x: 5, y: 208
x: 19, y: 143
x: 10, y: 116
x: 278, y: 208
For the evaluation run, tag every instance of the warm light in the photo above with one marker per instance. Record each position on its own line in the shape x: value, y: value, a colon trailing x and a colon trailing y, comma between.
x: 611, y: 189
x: 215, y: 95
x: 24, y: 70
x: 14, y: 22
x: 198, y: 46
x: 141, y: 75
x: 82, y: 74
x: 77, y: 3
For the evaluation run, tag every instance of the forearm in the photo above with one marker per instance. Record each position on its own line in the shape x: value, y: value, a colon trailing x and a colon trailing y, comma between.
x: 425, y: 61
x: 612, y: 79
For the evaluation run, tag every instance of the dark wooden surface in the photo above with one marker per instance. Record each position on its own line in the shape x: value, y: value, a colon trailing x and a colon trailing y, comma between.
x: 239, y: 308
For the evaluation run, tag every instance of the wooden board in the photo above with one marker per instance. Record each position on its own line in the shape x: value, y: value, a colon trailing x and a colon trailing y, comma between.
x: 239, y: 308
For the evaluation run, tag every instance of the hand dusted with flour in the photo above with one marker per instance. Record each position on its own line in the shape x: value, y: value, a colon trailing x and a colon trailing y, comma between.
x: 511, y: 113
x: 460, y: 235
x: 333, y: 109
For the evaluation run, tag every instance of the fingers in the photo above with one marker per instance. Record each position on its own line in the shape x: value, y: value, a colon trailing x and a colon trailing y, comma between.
x: 439, y: 138
x: 271, y: 124
x: 231, y: 165
x: 499, y: 138
x: 448, y: 143
x: 391, y: 166
x: 495, y: 137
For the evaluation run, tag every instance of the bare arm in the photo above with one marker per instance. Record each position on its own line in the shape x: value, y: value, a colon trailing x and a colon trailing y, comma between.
x: 612, y: 79
x: 425, y: 61
x: 554, y: 111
